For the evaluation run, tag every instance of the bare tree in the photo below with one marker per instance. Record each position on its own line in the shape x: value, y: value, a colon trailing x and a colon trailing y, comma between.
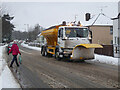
x: 3, y: 9
x: 33, y: 32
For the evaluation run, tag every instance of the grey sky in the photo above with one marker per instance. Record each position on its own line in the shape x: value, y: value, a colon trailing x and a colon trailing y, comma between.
x: 51, y: 13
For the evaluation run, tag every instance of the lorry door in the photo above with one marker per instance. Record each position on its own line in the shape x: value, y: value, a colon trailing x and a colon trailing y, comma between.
x: 60, y: 37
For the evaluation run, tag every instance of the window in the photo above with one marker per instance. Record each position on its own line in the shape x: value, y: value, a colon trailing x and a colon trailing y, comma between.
x: 60, y: 33
x: 111, y: 30
x: 117, y: 49
x: 115, y: 40
x: 118, y: 41
x: 111, y: 42
x: 76, y: 32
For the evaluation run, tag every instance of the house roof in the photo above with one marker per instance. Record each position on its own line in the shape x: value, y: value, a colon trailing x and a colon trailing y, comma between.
x: 99, y: 25
x: 101, y: 21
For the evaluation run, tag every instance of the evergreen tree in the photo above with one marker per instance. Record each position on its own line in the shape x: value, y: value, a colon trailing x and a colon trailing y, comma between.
x: 7, y: 28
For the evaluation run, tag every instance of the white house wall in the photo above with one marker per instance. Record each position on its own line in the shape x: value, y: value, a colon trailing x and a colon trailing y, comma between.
x: 119, y: 19
x: 0, y: 30
x: 116, y: 34
x: 115, y: 37
x: 115, y: 28
x: 119, y: 28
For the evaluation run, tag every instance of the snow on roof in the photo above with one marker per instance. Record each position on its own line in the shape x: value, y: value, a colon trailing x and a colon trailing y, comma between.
x: 104, y: 25
x: 102, y: 20
x: 52, y: 26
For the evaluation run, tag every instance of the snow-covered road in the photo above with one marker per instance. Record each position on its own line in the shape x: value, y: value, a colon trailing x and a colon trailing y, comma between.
x: 98, y: 58
x: 7, y: 79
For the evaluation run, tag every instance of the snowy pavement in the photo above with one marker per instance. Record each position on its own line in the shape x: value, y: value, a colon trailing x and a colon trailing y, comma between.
x: 98, y: 58
x: 106, y: 59
x: 7, y: 79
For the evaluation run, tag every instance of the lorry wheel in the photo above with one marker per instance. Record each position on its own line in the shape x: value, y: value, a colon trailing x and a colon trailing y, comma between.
x: 43, y: 51
x: 57, y: 55
x: 46, y: 53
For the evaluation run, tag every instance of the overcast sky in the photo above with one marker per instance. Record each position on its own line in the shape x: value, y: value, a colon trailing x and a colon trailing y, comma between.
x: 50, y: 13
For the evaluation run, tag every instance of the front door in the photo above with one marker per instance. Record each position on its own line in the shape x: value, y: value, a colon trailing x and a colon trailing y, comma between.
x: 60, y: 37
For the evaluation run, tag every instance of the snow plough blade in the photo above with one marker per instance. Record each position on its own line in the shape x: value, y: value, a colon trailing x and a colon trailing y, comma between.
x: 84, y: 51
x: 91, y: 45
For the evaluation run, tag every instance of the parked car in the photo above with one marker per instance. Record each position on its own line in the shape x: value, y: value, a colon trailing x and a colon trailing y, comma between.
x: 20, y: 41
x: 9, y: 47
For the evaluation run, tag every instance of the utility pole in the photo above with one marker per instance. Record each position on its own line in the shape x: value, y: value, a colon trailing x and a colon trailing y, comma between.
x: 27, y: 27
x: 27, y: 30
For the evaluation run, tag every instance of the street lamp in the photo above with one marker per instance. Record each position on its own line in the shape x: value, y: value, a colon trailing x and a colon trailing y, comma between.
x: 27, y: 30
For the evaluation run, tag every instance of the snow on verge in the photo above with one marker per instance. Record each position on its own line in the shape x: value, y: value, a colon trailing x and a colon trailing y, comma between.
x: 106, y: 59
x: 31, y: 47
x: 7, y: 79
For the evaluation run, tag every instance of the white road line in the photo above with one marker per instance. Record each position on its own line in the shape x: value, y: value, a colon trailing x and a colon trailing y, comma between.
x: 25, y: 51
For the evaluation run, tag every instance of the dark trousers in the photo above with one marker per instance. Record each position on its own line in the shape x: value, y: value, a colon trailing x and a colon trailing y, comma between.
x: 14, y: 59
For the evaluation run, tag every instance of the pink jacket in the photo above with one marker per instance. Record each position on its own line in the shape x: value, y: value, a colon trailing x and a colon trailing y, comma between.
x: 14, y: 49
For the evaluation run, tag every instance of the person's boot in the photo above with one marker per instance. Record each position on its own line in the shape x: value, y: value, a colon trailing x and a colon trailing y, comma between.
x: 17, y: 65
x: 11, y: 66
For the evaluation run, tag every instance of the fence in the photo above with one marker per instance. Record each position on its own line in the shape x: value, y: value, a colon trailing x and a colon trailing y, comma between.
x: 106, y: 50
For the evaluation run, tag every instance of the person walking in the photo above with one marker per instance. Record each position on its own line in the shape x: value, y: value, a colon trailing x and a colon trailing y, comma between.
x: 15, y: 50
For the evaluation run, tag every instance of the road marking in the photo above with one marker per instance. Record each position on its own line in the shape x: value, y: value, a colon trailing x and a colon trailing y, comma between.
x: 25, y: 51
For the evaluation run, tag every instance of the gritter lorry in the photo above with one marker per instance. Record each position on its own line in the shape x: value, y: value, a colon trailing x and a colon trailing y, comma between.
x: 68, y: 41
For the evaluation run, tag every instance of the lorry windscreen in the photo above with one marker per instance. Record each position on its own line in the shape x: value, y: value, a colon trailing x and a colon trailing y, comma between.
x: 76, y: 32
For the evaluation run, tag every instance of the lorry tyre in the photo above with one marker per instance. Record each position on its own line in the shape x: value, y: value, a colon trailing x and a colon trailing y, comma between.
x: 43, y: 51
x: 57, y: 54
x: 46, y: 53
